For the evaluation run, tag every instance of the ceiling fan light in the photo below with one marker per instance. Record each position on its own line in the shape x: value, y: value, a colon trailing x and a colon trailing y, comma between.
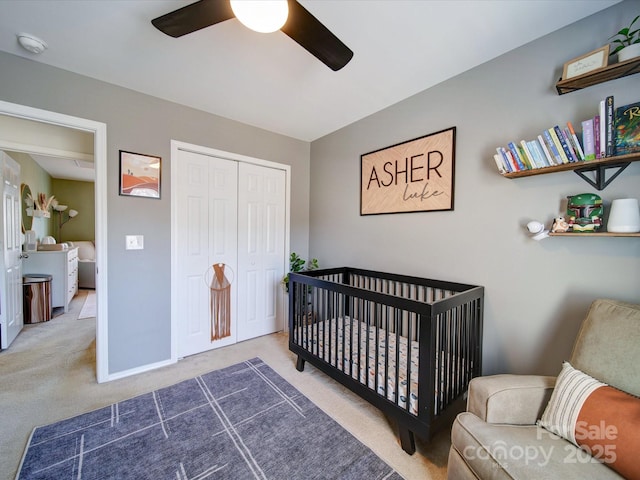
x: 264, y: 16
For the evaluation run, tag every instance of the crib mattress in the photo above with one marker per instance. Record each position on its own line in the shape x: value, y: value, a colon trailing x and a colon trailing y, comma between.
x: 336, y: 341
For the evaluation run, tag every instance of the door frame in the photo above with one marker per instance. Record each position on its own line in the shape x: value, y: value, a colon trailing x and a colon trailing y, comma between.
x: 176, y: 147
x: 99, y: 131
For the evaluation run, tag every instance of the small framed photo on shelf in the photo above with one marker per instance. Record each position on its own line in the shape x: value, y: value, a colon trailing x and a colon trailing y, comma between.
x: 139, y: 175
x: 586, y: 63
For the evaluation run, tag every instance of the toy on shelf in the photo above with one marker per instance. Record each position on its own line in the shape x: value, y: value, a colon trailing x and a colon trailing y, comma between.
x: 585, y: 212
x: 560, y: 225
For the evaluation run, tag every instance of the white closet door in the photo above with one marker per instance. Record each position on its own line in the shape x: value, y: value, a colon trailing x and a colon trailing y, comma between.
x: 11, y: 320
x: 261, y: 227
x: 207, y: 235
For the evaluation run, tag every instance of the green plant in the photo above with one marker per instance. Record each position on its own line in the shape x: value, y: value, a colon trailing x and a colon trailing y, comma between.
x: 297, y: 264
x: 627, y: 37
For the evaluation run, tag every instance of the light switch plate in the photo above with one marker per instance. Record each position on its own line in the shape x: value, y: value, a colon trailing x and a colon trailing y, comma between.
x: 134, y: 242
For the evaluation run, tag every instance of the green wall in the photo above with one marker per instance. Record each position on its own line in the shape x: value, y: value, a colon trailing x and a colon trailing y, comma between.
x: 78, y: 196
x: 39, y: 181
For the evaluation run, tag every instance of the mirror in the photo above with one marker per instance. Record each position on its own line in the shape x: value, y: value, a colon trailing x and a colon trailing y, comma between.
x: 27, y: 220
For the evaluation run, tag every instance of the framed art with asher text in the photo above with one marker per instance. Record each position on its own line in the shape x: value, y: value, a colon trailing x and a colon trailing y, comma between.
x: 413, y: 176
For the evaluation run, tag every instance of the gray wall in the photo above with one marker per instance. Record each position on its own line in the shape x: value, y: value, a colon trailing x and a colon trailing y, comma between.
x: 536, y: 293
x: 139, y: 281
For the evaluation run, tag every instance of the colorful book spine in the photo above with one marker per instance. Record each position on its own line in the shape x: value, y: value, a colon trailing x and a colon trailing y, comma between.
x: 552, y: 147
x: 588, y: 140
x: 563, y: 143
x: 610, y: 147
x: 576, y: 142
x: 567, y: 138
x: 596, y: 135
x: 558, y: 144
x: 528, y: 156
x: 537, y: 153
x: 516, y: 155
x: 628, y: 129
x: 512, y: 159
x: 603, y: 130
x: 504, y: 159
x: 545, y: 150
x: 534, y: 158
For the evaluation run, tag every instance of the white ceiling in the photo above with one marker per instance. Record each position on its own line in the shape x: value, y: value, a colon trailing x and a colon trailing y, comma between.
x: 401, y: 47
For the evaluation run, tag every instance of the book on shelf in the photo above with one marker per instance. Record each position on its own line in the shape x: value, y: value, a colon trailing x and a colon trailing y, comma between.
x: 551, y: 146
x: 519, y: 164
x: 576, y: 142
x: 504, y: 159
x: 529, y: 164
x: 538, y: 154
x: 610, y: 145
x: 596, y: 135
x: 498, y: 159
x: 602, y: 113
x: 627, y: 129
x: 545, y: 150
x: 588, y: 140
x: 558, y: 139
x: 530, y: 160
x: 573, y: 156
x: 512, y: 160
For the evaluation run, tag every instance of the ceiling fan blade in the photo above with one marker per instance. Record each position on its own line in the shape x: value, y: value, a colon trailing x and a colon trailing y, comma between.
x: 312, y: 35
x: 193, y: 17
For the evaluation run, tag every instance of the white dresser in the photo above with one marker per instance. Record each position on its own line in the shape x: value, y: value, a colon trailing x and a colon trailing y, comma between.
x: 63, y: 266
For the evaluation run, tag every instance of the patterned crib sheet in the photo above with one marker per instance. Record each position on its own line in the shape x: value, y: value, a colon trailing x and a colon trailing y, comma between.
x: 341, y: 333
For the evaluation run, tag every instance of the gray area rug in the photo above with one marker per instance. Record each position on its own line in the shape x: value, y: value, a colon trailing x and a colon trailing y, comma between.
x: 240, y: 422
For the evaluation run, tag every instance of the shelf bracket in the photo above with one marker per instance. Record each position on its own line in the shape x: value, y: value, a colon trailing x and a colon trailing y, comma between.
x: 601, y: 182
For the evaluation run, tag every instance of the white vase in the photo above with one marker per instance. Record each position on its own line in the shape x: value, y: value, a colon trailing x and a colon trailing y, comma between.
x: 629, y: 52
x: 624, y: 216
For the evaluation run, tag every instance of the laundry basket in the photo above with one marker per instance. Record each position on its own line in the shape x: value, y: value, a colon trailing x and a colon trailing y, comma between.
x: 36, y: 297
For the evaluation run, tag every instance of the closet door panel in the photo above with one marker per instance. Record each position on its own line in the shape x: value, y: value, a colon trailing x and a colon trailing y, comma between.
x: 207, y: 235
x: 261, y: 197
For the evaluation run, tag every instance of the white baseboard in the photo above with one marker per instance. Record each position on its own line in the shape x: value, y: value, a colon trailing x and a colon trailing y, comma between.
x: 136, y: 371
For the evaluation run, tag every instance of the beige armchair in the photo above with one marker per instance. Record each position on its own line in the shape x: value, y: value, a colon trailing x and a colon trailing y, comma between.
x: 497, y: 437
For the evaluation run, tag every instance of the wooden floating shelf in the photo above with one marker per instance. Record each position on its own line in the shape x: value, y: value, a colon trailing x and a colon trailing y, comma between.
x: 600, y: 166
x: 596, y: 234
x: 604, y: 74
x: 588, y: 165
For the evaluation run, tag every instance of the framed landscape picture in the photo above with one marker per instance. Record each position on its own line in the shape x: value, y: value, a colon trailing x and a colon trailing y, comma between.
x: 139, y: 175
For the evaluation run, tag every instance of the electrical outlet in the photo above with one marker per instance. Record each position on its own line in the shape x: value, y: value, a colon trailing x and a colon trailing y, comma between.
x: 134, y: 242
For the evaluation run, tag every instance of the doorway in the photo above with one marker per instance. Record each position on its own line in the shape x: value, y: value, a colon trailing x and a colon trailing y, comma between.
x: 99, y: 131
x: 229, y: 236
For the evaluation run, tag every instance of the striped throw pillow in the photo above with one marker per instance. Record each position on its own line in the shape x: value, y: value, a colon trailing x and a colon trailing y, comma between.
x: 601, y: 420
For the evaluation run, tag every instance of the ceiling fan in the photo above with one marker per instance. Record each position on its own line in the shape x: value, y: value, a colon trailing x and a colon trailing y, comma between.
x: 300, y: 25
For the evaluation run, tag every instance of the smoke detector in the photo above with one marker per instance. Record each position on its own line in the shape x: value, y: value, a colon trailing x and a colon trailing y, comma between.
x: 31, y: 43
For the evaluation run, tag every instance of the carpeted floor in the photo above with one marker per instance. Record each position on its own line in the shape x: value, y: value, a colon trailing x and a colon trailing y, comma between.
x: 48, y: 374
